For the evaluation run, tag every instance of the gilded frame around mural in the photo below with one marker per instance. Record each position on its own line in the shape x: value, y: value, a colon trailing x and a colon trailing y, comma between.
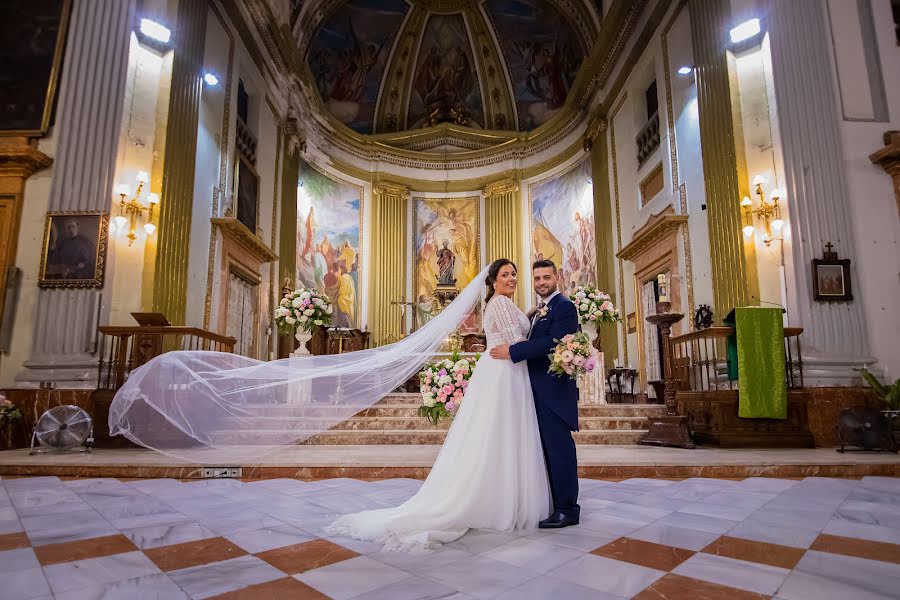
x: 100, y: 249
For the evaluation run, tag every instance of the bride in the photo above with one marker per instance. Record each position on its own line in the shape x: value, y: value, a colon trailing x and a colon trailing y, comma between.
x: 490, y: 473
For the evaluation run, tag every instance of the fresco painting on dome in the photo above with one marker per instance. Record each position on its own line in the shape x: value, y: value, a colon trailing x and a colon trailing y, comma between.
x: 562, y: 226
x: 542, y: 52
x: 445, y: 85
x: 447, y: 244
x: 328, y: 232
x: 348, y: 58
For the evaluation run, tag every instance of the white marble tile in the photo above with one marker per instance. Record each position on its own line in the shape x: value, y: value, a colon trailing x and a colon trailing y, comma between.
x: 131, y: 514
x: 668, y: 535
x: 66, y: 527
x: 225, y: 576
x: 477, y: 541
x: 414, y: 588
x: 633, y: 512
x: 148, y: 587
x: 549, y: 587
x: 887, y: 484
x: 419, y: 562
x: 533, y: 555
x: 650, y: 484
x: 260, y: 540
x: 593, y: 504
x: 657, y: 501
x: 718, y: 511
x: 613, y: 494
x: 781, y: 534
x: 227, y: 520
x: 876, y: 533
x: 155, y: 536
x: 358, y: 546
x: 97, y: 571
x: 705, y: 523
x: 738, y: 498
x: 869, y: 513
x: 478, y: 576
x: 19, y: 559
x: 283, y: 486
x: 876, y: 495
x: 768, y: 485
x: 609, y: 526
x: 25, y: 585
x: 577, y: 538
x: 607, y: 575
x: 42, y: 502
x: 350, y: 578
x: 744, y: 575
x: 825, y: 576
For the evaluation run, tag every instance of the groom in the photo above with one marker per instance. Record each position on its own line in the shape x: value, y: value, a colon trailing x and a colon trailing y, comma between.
x: 555, y: 398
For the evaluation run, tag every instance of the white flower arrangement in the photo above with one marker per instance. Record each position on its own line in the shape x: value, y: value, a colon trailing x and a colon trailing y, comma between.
x: 594, y: 307
x: 303, y: 309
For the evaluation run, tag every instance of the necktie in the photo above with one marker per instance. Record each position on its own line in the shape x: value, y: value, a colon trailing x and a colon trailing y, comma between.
x: 535, y: 317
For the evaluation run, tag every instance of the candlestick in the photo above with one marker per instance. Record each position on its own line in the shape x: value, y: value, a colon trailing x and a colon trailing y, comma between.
x: 663, y: 288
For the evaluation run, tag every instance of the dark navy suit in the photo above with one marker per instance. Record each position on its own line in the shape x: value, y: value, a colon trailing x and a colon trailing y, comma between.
x: 555, y: 401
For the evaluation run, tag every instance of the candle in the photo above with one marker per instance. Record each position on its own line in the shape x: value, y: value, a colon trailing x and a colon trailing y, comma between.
x: 663, y: 288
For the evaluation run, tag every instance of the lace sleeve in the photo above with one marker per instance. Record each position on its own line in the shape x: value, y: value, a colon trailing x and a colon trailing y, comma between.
x: 502, y: 321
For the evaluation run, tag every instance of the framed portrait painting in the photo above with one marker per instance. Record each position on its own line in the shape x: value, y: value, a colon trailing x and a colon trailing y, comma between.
x: 831, y: 280
x: 74, y: 252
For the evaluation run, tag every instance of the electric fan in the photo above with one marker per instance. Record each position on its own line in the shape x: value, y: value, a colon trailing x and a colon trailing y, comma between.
x: 63, y: 428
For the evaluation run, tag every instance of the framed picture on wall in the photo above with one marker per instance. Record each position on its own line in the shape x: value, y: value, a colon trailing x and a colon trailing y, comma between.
x: 831, y: 280
x: 74, y: 252
x: 246, y: 206
x: 631, y: 322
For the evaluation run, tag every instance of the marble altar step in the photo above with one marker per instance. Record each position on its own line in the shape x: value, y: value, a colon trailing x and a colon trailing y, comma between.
x: 432, y: 436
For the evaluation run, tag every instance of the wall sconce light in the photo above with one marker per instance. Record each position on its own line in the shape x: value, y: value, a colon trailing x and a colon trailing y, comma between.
x: 131, y: 210
x: 768, y: 213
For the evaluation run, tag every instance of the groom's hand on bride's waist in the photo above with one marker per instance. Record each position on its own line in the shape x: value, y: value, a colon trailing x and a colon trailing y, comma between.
x: 500, y: 352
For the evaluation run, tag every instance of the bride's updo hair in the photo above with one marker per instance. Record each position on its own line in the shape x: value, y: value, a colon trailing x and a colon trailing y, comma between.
x: 493, y: 272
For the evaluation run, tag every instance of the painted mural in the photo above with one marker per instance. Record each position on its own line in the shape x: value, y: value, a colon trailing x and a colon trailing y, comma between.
x: 562, y: 226
x: 542, y: 52
x: 348, y: 57
x: 328, y: 241
x: 447, y: 251
x: 445, y: 85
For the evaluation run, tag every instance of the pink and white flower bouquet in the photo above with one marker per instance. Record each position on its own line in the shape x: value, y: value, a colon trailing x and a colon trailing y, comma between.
x: 303, y: 309
x: 594, y: 307
x: 443, y: 385
x: 573, y: 356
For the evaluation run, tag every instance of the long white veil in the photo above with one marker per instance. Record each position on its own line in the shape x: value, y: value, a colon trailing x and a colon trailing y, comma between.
x: 213, y: 407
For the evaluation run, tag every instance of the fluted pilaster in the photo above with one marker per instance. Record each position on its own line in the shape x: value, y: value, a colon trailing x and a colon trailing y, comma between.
x: 89, y: 115
x: 503, y: 227
x: 388, y: 262
x: 817, y: 191
x: 176, y: 201
x: 603, y: 233
x: 734, y: 283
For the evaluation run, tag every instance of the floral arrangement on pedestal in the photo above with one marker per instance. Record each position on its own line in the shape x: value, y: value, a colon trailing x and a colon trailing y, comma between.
x: 573, y: 356
x: 9, y: 412
x: 594, y: 308
x: 10, y: 416
x: 302, y: 310
x: 443, y: 385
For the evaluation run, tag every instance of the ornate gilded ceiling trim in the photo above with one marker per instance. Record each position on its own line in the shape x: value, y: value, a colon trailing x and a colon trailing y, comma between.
x: 504, y: 186
x: 659, y: 226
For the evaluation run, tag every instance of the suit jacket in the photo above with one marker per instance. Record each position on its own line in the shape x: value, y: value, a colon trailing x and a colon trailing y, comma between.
x: 556, y: 393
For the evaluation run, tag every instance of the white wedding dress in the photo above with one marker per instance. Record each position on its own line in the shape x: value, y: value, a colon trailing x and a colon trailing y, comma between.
x: 490, y: 472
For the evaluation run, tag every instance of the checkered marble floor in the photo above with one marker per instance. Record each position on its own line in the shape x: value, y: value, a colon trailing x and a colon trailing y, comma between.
x: 639, y: 538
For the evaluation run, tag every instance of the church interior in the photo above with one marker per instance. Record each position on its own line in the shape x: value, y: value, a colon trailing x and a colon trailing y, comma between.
x: 174, y: 173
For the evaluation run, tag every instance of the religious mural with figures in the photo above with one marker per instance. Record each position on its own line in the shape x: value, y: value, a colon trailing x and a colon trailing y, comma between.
x: 349, y: 55
x: 445, y: 87
x: 543, y: 54
x: 447, y: 246
x: 328, y: 241
x: 562, y: 225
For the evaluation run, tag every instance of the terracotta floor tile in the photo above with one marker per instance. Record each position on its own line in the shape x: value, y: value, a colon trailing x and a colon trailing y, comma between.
x: 192, y: 554
x: 764, y: 553
x: 11, y: 541
x: 677, y: 587
x: 846, y: 546
x: 646, y: 554
x: 280, y: 589
x: 52, y: 554
x: 306, y: 556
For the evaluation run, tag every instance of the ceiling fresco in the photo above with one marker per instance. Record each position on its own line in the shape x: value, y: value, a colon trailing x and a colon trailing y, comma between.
x: 384, y: 66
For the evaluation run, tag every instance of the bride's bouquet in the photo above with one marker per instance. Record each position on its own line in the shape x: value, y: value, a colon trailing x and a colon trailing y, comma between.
x: 573, y: 356
x: 303, y: 309
x: 443, y: 384
x: 594, y: 307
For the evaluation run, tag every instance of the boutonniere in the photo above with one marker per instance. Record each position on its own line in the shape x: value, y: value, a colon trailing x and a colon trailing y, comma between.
x: 543, y: 312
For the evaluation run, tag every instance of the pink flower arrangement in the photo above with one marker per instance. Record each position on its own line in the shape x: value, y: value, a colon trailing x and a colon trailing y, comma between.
x: 594, y: 307
x: 443, y: 386
x: 573, y: 356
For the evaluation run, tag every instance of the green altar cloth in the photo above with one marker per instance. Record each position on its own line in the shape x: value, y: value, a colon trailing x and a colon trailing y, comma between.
x: 762, y: 387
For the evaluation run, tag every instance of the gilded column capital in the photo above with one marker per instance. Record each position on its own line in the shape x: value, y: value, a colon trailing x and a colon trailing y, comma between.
x: 384, y: 188
x: 503, y: 186
x: 595, y: 128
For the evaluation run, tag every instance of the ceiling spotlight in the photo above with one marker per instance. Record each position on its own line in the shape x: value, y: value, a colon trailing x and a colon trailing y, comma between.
x: 210, y: 79
x: 154, y: 30
x: 685, y: 70
x: 745, y: 31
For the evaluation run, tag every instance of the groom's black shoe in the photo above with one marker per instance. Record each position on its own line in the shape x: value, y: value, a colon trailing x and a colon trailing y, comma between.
x: 557, y: 521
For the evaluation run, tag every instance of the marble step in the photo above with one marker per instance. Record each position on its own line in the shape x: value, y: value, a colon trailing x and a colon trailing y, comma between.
x: 410, y: 410
x: 406, y: 423
x: 422, y: 436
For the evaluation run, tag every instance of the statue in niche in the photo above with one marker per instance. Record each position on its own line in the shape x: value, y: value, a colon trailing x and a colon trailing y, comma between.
x: 446, y: 260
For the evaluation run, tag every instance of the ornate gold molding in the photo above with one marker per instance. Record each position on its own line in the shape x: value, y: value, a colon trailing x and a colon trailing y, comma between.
x: 237, y: 232
x: 596, y: 127
x: 888, y: 158
x: 660, y: 225
x: 504, y: 186
x: 384, y: 188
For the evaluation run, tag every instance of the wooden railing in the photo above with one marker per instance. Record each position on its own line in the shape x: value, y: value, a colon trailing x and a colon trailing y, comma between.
x: 700, y: 362
x: 123, y: 349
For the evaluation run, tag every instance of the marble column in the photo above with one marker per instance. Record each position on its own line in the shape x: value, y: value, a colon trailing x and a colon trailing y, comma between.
x: 503, y: 227
x: 89, y: 115
x: 834, y: 340
x: 733, y: 276
x: 390, y: 217
x: 177, y: 197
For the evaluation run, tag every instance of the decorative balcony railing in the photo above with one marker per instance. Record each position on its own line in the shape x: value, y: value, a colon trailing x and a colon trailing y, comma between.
x: 648, y: 139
